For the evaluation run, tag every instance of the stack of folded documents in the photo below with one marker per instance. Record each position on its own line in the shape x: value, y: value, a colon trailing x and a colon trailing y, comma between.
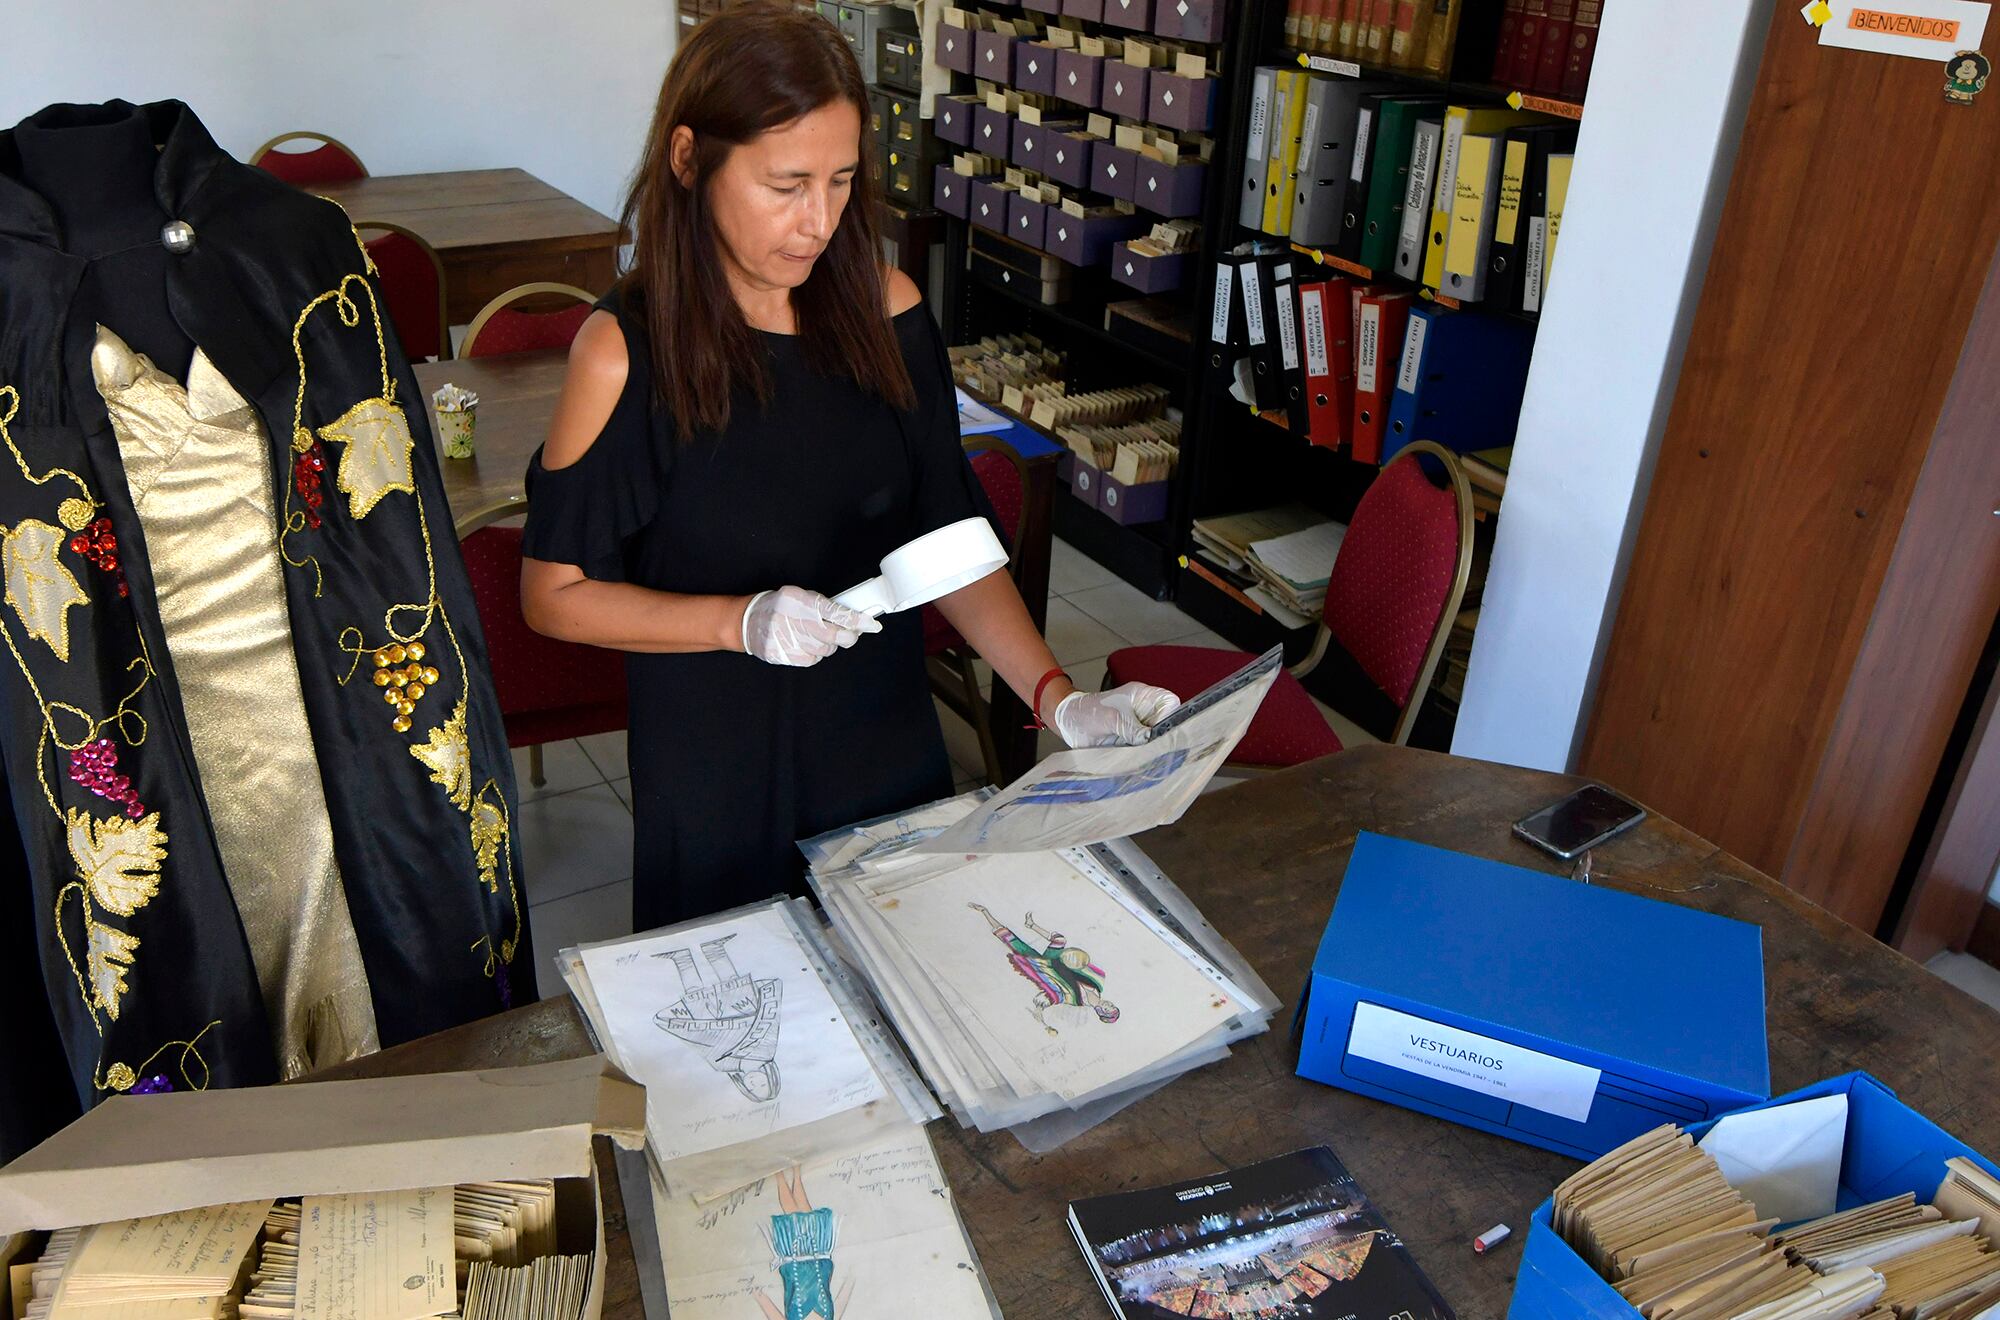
x: 1663, y: 1219
x: 1032, y: 959
x: 791, y: 1173
x: 1295, y: 567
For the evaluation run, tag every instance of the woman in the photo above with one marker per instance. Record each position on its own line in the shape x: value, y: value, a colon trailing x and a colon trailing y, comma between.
x: 751, y: 421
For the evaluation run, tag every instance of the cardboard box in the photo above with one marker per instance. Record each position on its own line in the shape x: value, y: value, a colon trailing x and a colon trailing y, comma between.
x: 1891, y: 1149
x: 993, y: 56
x: 153, y: 1154
x: 1035, y: 143
x: 1563, y: 1015
x: 1114, y: 170
x: 1122, y: 89
x: 992, y: 131
x: 1148, y: 273
x: 1129, y: 504
x: 954, y: 46
x: 950, y: 192
x: 1177, y: 101
x: 1067, y: 159
x: 1133, y: 15
x: 1170, y: 190
x: 986, y: 206
x: 1035, y: 67
x: 1078, y: 77
x: 1086, y: 240
x: 1025, y: 220
x: 1188, y: 20
x: 951, y: 118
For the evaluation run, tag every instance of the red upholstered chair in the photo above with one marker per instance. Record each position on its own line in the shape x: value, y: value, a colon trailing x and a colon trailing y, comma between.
x: 947, y: 656
x: 329, y: 162
x: 548, y: 689
x: 1394, y: 591
x: 413, y: 284
x: 501, y: 327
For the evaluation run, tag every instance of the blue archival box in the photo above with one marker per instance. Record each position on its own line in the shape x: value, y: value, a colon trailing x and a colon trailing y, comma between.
x: 1891, y: 1149
x: 1561, y: 1014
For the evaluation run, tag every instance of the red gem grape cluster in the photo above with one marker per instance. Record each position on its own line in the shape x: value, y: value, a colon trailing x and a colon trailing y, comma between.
x: 99, y: 544
x: 95, y: 766
x: 307, y: 469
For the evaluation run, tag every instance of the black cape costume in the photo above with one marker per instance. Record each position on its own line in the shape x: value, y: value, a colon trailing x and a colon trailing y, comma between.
x: 123, y: 959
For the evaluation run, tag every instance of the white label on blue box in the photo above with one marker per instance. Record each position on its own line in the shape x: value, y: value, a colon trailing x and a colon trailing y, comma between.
x: 1477, y: 1063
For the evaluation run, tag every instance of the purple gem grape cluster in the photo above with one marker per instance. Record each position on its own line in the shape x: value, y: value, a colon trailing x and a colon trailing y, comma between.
x: 95, y: 766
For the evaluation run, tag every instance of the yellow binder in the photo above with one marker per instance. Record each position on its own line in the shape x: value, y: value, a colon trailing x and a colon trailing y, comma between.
x: 1287, y: 122
x: 1470, y: 210
x: 1458, y: 121
x: 1513, y: 177
x: 1559, y: 168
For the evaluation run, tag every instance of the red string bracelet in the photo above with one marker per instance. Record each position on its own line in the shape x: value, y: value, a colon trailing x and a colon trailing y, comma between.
x: 1040, y: 688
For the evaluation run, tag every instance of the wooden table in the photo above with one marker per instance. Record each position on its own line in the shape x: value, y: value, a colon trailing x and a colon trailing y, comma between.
x: 517, y: 397
x: 1263, y: 860
x: 494, y: 229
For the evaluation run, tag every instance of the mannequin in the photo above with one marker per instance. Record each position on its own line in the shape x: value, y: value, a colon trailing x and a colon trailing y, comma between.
x: 94, y: 165
x: 230, y: 581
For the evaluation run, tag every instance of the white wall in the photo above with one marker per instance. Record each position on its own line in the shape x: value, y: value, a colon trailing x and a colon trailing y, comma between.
x: 1668, y: 92
x: 564, y: 91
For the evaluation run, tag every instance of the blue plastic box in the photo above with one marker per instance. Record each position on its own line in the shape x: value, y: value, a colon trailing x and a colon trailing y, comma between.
x: 1891, y: 1149
x: 1561, y: 1014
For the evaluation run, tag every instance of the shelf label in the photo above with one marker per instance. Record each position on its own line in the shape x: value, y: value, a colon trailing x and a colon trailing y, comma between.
x: 1327, y: 64
x: 1918, y: 29
x: 1498, y: 1068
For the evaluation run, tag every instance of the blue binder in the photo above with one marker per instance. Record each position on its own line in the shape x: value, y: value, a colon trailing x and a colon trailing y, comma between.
x: 1462, y: 386
x: 1651, y: 1012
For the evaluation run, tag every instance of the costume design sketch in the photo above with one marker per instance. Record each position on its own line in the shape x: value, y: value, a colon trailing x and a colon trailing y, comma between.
x: 1059, y: 973
x: 733, y: 1021
x: 802, y: 1241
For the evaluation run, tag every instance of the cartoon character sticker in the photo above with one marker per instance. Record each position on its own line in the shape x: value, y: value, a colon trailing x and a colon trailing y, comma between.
x: 1966, y: 73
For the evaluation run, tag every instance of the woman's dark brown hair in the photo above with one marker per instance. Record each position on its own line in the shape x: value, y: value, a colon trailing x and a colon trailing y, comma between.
x: 752, y: 68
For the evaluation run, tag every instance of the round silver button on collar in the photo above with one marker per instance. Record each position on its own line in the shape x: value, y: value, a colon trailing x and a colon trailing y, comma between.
x: 178, y: 235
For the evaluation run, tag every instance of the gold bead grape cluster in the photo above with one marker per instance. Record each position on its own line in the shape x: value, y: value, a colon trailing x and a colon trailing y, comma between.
x: 403, y: 676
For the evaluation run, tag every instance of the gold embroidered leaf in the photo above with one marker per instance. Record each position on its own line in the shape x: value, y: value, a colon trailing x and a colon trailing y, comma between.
x: 118, y: 858
x: 448, y: 757
x: 40, y: 587
x: 110, y: 957
x: 377, y: 458
x: 489, y: 832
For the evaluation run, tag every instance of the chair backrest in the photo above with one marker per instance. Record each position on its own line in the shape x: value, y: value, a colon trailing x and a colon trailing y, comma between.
x: 500, y: 327
x: 1400, y: 575
x: 329, y: 162
x: 413, y: 285
x: 1004, y: 478
x: 531, y: 673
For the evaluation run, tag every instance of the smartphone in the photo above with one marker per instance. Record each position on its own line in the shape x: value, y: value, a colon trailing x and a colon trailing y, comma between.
x: 1579, y: 822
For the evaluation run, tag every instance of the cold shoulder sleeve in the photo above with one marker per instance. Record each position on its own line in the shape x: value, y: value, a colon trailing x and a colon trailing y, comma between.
x: 947, y: 489
x: 586, y: 512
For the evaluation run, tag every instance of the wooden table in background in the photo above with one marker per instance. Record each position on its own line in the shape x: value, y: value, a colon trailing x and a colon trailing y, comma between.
x: 1263, y: 861
x: 494, y: 229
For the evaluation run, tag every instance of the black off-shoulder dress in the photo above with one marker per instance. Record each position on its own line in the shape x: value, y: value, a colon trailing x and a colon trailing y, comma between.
x: 734, y: 760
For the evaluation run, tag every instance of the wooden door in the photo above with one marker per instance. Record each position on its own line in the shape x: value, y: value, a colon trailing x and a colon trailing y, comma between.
x: 1819, y: 560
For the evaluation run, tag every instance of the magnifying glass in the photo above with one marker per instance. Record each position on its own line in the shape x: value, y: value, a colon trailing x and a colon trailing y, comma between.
x: 935, y: 564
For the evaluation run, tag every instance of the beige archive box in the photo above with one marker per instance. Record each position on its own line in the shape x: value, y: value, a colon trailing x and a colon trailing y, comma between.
x: 153, y: 1154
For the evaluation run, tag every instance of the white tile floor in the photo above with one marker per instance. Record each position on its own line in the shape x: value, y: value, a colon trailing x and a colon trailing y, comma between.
x: 576, y: 830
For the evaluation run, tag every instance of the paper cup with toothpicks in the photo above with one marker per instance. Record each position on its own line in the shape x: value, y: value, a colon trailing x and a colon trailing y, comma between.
x: 457, y: 410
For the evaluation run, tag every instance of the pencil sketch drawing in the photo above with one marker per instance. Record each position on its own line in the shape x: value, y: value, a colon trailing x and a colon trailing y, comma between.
x: 1060, y: 974
x: 732, y: 1018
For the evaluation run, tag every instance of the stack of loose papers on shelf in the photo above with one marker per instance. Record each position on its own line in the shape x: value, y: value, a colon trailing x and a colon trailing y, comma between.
x: 1038, y: 967
x: 1295, y: 567
x: 1230, y: 540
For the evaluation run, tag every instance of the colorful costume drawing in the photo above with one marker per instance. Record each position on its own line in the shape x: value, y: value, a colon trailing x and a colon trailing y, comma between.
x: 1081, y: 788
x: 1060, y: 974
x: 802, y: 1242
x: 733, y: 1022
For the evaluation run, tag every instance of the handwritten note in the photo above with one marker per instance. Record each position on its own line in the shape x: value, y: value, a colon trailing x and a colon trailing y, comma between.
x: 377, y: 1256
x: 188, y: 1254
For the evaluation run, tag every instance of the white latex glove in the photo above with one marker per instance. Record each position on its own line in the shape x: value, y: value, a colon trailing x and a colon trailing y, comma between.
x: 793, y: 626
x: 1117, y: 718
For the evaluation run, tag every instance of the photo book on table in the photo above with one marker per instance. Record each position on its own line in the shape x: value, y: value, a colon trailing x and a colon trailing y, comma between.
x: 1291, y: 1238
